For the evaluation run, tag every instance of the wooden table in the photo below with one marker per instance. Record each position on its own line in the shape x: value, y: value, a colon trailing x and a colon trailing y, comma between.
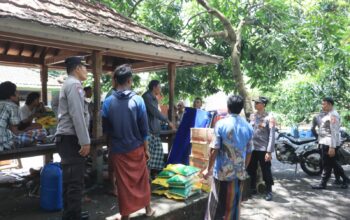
x: 41, y: 149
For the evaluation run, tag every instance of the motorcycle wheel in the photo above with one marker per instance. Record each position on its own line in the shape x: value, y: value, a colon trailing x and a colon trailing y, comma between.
x: 312, y: 163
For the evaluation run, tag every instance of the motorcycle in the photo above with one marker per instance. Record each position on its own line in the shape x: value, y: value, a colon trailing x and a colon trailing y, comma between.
x: 299, y: 150
x: 344, y: 150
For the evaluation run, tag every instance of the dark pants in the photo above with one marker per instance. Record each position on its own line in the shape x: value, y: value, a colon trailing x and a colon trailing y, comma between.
x: 330, y: 163
x: 259, y: 157
x: 73, y: 168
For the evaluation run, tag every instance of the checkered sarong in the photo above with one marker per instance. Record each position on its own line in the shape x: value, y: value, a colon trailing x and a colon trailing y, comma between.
x: 156, y: 161
x: 30, y: 136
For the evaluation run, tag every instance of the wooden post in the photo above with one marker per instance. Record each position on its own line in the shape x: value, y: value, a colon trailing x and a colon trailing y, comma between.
x: 44, y: 77
x: 171, y: 79
x: 171, y: 113
x: 97, y: 123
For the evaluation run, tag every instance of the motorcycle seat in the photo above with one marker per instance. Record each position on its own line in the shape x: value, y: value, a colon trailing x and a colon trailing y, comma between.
x: 299, y: 141
x: 303, y: 140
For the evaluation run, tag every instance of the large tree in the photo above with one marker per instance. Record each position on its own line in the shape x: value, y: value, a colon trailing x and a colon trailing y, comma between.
x: 271, y: 40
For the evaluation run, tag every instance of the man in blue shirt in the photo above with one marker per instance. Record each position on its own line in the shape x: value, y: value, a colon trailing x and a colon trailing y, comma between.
x: 229, y: 156
x: 125, y: 122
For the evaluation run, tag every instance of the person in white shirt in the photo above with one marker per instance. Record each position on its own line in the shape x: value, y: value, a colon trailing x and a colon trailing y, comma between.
x: 32, y: 108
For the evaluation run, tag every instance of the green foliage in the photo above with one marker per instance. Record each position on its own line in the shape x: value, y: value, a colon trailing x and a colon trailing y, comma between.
x: 163, y: 16
x: 125, y: 7
x: 106, y: 82
x: 326, y: 60
x: 296, y: 52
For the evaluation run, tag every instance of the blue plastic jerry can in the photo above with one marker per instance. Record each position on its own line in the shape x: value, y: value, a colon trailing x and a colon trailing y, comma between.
x: 51, y: 187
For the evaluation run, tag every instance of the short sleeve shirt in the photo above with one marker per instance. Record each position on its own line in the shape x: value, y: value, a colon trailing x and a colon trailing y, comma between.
x: 25, y: 112
x: 9, y: 115
x: 233, y: 141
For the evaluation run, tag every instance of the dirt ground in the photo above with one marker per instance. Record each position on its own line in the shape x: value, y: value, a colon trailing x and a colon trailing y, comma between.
x: 293, y: 199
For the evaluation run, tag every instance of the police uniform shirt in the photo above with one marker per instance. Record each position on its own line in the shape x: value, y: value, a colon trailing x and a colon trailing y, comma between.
x: 264, y: 132
x: 73, y: 116
x: 329, y: 129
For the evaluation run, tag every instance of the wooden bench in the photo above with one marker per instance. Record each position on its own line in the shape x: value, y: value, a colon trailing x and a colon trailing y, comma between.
x: 41, y: 149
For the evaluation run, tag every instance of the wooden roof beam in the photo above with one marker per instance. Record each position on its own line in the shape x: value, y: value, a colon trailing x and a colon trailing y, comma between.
x: 34, y: 50
x: 21, y: 49
x: 141, y: 65
x: 7, y: 47
x: 63, y: 38
x: 19, y: 59
x: 60, y: 58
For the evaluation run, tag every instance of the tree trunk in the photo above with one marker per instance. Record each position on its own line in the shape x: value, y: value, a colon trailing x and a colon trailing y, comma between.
x: 238, y: 78
x: 233, y: 37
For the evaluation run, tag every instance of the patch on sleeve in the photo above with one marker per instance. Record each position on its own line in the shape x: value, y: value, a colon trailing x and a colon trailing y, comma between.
x: 80, y: 91
x: 272, y: 122
x: 334, y: 119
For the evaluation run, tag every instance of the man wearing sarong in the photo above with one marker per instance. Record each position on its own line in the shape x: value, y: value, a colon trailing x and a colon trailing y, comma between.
x: 156, y: 162
x: 125, y: 122
x: 228, y: 159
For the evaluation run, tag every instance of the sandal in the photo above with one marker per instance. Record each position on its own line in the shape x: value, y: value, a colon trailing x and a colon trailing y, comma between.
x: 151, y: 213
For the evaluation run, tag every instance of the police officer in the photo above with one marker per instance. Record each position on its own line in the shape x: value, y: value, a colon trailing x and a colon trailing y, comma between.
x: 72, y: 137
x: 329, y: 141
x: 263, y: 146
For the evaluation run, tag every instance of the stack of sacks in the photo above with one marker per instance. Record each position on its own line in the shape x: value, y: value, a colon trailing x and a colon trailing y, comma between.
x: 177, y: 181
x: 201, y: 140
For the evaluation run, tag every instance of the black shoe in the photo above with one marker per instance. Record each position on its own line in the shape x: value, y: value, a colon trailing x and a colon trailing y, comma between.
x: 344, y: 185
x: 84, y: 215
x: 337, y: 182
x: 319, y: 186
x: 268, y: 196
x: 253, y: 192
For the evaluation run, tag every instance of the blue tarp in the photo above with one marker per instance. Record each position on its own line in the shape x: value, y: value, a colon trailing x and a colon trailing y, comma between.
x: 181, y: 148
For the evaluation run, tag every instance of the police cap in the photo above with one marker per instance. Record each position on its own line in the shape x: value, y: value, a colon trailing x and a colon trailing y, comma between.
x: 261, y: 99
x: 74, y: 61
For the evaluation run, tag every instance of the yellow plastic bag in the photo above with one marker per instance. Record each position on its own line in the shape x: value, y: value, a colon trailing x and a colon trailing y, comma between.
x: 171, y: 196
x: 161, y: 182
x: 182, y: 169
x: 160, y: 191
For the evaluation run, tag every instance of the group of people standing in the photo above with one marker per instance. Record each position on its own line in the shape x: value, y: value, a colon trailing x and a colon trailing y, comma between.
x: 132, y: 125
x: 241, y: 145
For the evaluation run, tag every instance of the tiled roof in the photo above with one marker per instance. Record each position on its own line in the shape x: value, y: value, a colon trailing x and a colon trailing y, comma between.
x: 82, y: 16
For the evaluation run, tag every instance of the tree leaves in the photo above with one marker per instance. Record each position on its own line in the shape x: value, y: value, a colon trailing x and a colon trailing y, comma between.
x: 287, y: 40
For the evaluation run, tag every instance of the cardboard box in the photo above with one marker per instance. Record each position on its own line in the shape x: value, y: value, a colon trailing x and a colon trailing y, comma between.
x: 202, y: 135
x: 200, y: 150
x: 200, y: 163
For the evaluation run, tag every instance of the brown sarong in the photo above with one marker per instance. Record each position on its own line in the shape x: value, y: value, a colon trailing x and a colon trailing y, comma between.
x: 132, y: 178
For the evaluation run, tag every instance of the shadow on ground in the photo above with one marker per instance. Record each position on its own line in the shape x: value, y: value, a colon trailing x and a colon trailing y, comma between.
x: 15, y: 204
x: 294, y: 198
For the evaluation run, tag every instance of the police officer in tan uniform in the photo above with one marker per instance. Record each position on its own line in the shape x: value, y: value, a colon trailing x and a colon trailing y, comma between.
x: 263, y: 146
x: 329, y: 141
x: 72, y: 137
